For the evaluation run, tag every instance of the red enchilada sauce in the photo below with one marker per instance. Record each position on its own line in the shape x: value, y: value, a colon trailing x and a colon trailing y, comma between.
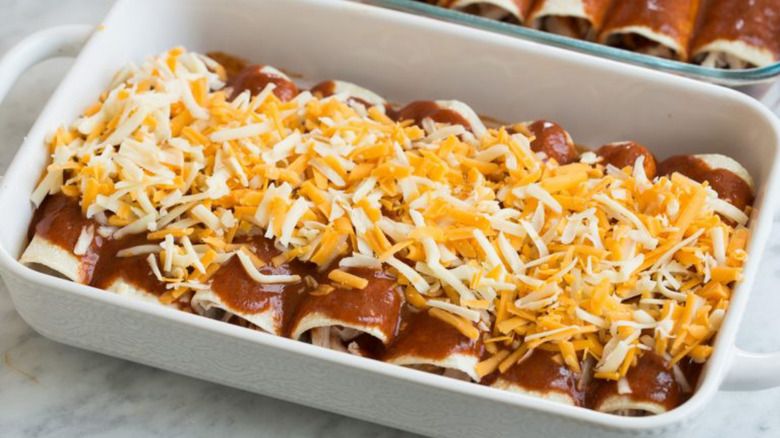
x: 579, y: 27
x: 523, y: 7
x: 650, y: 381
x: 324, y: 89
x: 421, y: 109
x: 625, y: 154
x: 553, y: 140
x: 729, y: 186
x: 254, y: 79
x: 422, y: 335
x: 597, y: 10
x: 541, y: 372
x: 672, y: 18
x: 134, y: 270
x: 377, y: 306
x: 755, y: 22
x: 59, y: 220
x: 328, y: 88
x: 241, y: 293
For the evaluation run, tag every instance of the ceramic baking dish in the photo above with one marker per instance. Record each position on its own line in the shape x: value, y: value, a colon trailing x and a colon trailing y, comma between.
x: 403, y: 57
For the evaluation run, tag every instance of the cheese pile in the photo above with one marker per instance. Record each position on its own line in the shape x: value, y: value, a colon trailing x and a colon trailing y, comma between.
x: 594, y: 262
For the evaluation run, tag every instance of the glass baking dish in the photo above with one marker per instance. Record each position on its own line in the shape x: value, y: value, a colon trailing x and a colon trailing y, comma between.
x: 763, y: 76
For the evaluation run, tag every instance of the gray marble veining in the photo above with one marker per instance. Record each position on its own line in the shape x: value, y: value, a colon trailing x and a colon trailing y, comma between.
x: 52, y: 390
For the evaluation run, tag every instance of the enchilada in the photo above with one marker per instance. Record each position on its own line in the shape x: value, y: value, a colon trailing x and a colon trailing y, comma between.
x: 417, y: 236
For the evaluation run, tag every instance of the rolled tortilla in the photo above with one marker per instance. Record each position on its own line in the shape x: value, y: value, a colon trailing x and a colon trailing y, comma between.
x: 542, y: 374
x: 256, y: 77
x: 431, y: 344
x: 625, y: 153
x: 121, y: 286
x: 505, y: 10
x: 726, y: 176
x: 353, y: 92
x: 58, y: 227
x: 648, y: 388
x: 269, y: 306
x: 739, y: 34
x: 338, y: 318
x: 56, y: 230
x: 655, y: 27
x: 580, y: 19
x: 451, y: 112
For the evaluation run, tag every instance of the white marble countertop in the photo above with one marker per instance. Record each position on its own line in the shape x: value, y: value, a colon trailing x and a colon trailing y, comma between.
x: 51, y: 390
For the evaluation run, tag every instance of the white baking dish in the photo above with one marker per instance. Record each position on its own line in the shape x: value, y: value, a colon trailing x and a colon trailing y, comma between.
x: 402, y: 57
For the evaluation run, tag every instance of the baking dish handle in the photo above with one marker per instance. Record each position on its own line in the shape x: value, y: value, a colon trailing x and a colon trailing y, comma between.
x: 53, y: 42
x: 753, y: 371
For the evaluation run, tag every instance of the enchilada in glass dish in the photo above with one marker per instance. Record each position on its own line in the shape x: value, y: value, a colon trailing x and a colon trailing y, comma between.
x: 729, y: 42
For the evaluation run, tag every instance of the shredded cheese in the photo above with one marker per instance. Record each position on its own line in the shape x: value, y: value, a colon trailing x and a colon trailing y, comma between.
x: 347, y: 279
x: 481, y: 232
x: 252, y: 271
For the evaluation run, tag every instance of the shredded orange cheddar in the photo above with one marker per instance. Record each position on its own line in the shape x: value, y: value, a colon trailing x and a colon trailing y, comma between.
x: 581, y: 260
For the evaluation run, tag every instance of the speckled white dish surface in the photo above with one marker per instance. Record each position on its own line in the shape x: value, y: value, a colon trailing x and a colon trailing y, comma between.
x: 402, y: 57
